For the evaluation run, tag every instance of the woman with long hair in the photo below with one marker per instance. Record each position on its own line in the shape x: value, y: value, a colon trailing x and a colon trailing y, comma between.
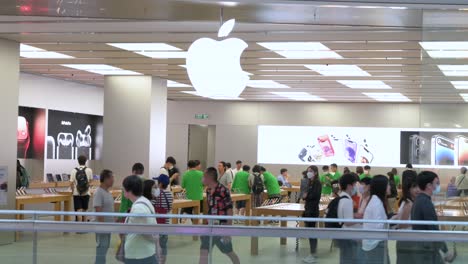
x: 409, y: 192
x: 374, y: 250
x: 312, y: 201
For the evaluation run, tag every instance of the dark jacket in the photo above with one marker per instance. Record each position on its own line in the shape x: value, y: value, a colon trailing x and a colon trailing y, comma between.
x: 312, y: 200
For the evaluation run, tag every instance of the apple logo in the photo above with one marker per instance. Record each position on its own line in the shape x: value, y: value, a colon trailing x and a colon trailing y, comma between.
x: 214, y: 66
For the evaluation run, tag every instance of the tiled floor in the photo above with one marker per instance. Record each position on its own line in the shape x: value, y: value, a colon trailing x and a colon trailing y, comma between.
x: 56, y: 248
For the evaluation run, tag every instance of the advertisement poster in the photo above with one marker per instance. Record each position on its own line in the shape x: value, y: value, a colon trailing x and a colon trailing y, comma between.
x: 326, y: 145
x: 71, y: 135
x: 31, y: 133
x: 3, y: 186
x: 385, y: 147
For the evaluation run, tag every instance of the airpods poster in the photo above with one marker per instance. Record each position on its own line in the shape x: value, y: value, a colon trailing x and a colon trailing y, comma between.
x: 71, y: 135
x: 326, y: 145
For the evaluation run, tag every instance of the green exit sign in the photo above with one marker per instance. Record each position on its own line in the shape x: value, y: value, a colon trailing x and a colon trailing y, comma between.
x: 201, y: 116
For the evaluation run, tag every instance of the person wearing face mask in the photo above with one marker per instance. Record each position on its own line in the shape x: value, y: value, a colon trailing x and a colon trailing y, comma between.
x: 162, y: 201
x: 312, y: 201
x: 364, y: 190
x: 125, y: 204
x: 423, y: 210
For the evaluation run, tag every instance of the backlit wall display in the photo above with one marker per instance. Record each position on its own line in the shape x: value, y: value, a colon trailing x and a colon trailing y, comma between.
x: 31, y: 133
x: 71, y: 135
x: 362, y: 145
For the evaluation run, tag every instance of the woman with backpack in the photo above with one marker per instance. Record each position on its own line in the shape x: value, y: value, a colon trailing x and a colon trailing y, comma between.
x: 312, y: 201
x: 257, y: 185
x: 375, y: 250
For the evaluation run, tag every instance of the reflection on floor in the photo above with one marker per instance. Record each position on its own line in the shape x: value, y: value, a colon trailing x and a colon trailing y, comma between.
x: 56, y: 248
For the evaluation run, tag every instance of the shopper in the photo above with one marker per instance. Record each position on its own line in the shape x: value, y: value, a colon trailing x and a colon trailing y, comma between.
x: 364, y: 190
x: 284, y: 178
x: 241, y: 185
x: 238, y: 167
x: 225, y: 178
x: 162, y: 201
x: 125, y: 204
x: 311, y: 208
x: 326, y: 179
x: 219, y: 204
x: 375, y: 251
x: 392, y: 197
x: 452, y: 190
x: 346, y: 170
x: 271, y: 184
x: 334, y: 171
x: 396, y: 178
x: 170, y: 169
x: 359, y: 170
x: 103, y: 202
x: 192, y: 182
x: 366, y: 173
x: 410, y: 191
x: 257, y: 185
x: 462, y: 182
x: 230, y: 171
x: 348, y: 248
x: 80, y: 179
x: 304, y: 185
x: 139, y: 248
x: 22, y: 176
x: 423, y: 210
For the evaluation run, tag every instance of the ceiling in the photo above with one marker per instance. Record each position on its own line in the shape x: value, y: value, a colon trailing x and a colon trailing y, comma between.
x: 383, y: 41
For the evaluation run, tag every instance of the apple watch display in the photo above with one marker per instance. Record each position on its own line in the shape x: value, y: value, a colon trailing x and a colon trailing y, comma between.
x: 30, y: 133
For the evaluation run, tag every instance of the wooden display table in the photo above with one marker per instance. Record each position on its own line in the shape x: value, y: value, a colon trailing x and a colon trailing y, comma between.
x: 176, y: 189
x: 282, y: 210
x: 57, y: 199
x: 293, y: 188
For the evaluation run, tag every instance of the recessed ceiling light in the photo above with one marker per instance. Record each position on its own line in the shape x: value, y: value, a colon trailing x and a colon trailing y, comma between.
x: 214, y: 97
x: 460, y: 84
x: 144, y: 46
x: 444, y: 45
x: 172, y: 84
x: 164, y: 54
x: 229, y: 3
x: 454, y: 70
x: 298, y: 96
x: 388, y: 97
x: 265, y: 84
x: 441, y: 54
x: 337, y: 70
x: 457, y: 125
x: 27, y: 51
x: 102, y: 69
x: 464, y: 96
x: 301, y: 50
x: 365, y: 84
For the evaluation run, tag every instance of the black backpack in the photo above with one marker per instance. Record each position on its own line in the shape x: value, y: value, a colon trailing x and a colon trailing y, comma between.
x: 82, y: 183
x: 332, y: 212
x: 258, y: 187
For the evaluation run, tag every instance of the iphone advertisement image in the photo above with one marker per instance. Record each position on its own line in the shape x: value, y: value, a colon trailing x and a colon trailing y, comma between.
x: 461, y: 149
x: 442, y: 151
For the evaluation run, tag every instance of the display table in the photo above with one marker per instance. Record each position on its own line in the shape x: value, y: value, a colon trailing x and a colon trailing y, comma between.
x: 295, y: 189
x: 57, y: 199
x: 282, y: 210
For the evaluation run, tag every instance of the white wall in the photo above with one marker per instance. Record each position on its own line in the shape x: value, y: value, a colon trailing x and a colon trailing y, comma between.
x: 236, y: 122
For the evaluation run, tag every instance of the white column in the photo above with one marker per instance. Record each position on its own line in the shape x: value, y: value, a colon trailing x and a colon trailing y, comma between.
x: 9, y: 74
x: 134, y: 124
x: 158, y: 125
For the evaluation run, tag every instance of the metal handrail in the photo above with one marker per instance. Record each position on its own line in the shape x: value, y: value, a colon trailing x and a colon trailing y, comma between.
x: 242, y: 218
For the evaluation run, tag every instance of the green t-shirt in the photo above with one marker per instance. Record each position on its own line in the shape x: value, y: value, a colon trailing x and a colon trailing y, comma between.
x: 125, y: 204
x: 193, y: 184
x: 326, y: 180
x: 397, y: 180
x: 362, y: 176
x: 271, y: 183
x: 241, y: 182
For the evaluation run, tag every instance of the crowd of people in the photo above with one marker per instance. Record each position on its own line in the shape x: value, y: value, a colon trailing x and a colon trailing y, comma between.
x: 356, y: 195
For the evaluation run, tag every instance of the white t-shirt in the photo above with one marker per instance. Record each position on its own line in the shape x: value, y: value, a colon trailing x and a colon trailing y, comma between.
x: 89, y: 173
x: 345, y: 208
x: 138, y: 246
x: 374, y: 211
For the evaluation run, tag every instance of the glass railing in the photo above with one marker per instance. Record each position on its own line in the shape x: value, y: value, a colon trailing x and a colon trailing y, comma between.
x: 39, y: 238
